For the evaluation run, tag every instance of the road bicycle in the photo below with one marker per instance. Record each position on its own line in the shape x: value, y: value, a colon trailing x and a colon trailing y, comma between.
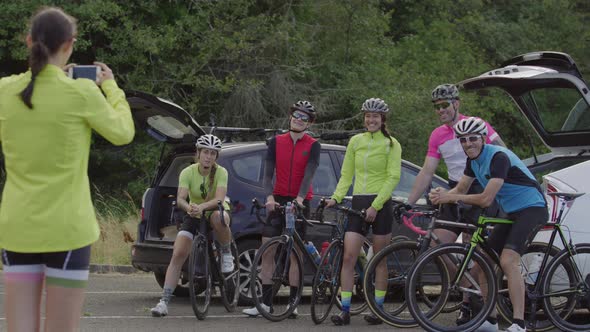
x: 204, y: 269
x: 285, y: 250
x: 326, y: 281
x: 560, y: 290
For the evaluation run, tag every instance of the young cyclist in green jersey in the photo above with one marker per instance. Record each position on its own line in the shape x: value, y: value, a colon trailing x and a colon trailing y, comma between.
x: 204, y: 183
x: 373, y: 158
x: 47, y: 220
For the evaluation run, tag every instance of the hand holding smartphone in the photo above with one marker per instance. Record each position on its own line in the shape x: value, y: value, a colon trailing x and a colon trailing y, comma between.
x: 91, y: 72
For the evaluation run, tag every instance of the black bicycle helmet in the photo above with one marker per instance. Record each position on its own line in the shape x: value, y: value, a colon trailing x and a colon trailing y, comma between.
x: 306, y: 107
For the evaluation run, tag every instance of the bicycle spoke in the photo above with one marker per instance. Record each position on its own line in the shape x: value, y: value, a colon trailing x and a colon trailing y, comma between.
x: 566, y: 292
x: 429, y: 293
x: 326, y: 283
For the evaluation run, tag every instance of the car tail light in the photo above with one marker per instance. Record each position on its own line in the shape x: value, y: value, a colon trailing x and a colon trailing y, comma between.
x: 142, y: 214
x: 551, y: 201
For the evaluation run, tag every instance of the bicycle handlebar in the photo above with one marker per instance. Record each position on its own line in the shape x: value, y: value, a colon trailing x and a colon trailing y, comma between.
x: 256, y: 205
x: 362, y: 213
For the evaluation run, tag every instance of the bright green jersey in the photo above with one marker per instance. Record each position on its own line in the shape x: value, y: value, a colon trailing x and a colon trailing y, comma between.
x: 192, y: 179
x: 46, y: 204
x: 375, y: 164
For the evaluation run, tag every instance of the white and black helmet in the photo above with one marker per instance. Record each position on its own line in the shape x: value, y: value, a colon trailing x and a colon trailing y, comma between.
x: 471, y: 125
x: 209, y: 141
x: 375, y: 105
x: 445, y: 92
x: 306, y: 107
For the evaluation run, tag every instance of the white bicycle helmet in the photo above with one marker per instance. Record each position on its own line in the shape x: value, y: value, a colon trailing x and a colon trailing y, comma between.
x: 375, y: 105
x: 471, y: 125
x: 445, y: 92
x: 209, y: 141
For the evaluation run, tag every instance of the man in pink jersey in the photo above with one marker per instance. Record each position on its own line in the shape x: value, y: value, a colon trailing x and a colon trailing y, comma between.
x: 443, y: 144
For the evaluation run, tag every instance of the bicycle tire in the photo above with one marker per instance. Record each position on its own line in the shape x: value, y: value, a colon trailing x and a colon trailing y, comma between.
x: 578, y: 294
x: 200, y: 283
x: 399, y: 257
x: 229, y: 283
x: 440, y: 255
x: 503, y: 302
x: 326, y: 282
x: 279, y: 309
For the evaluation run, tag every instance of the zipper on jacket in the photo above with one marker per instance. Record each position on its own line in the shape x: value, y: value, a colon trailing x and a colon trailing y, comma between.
x: 365, y: 162
x: 291, y: 167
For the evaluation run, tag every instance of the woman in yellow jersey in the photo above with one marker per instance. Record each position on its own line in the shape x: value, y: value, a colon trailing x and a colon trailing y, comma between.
x: 373, y: 158
x: 47, y: 220
x: 204, y: 183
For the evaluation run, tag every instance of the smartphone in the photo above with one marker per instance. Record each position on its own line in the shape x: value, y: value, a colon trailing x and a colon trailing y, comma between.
x: 89, y: 72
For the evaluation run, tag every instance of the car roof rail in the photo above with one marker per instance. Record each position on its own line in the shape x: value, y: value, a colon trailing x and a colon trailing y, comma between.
x: 227, y: 134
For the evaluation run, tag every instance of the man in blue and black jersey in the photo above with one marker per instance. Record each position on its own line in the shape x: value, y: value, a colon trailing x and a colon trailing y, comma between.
x: 507, y: 180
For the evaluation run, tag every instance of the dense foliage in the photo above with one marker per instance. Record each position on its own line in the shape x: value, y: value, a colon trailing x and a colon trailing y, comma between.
x: 245, y: 61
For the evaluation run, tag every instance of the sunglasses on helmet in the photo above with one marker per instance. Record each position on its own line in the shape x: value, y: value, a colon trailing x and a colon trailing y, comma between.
x: 301, y: 116
x: 471, y: 139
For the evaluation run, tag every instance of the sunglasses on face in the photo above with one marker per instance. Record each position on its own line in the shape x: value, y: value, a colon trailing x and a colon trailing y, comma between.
x: 443, y: 105
x: 471, y: 139
x: 203, y: 191
x: 300, y: 116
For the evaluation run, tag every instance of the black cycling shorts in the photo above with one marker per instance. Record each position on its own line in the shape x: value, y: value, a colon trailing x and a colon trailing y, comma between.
x: 64, y: 268
x: 383, y: 222
x: 191, y: 225
x: 515, y: 236
x: 275, y: 226
x: 78, y: 259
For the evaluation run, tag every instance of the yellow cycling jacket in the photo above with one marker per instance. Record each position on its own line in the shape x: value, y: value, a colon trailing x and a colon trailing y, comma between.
x: 375, y: 165
x: 46, y: 204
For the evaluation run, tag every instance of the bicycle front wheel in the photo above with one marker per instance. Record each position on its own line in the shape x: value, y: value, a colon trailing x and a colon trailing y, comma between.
x: 326, y: 282
x: 567, y: 295
x: 199, y: 274
x: 358, y: 304
x: 442, y: 291
x: 281, y: 267
x: 396, y: 260
x: 229, y: 282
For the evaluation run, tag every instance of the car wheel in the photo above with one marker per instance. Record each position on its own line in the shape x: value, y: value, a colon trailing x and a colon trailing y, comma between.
x: 247, y: 251
x: 181, y: 289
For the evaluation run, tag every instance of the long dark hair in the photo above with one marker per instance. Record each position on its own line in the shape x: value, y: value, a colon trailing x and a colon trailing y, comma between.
x: 211, y: 175
x: 384, y: 129
x: 50, y: 28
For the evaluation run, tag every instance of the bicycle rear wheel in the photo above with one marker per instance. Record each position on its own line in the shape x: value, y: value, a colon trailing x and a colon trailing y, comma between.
x: 283, y: 263
x: 567, y: 295
x: 397, y: 258
x: 421, y: 279
x: 229, y: 282
x: 199, y: 272
x: 503, y: 303
x: 326, y: 282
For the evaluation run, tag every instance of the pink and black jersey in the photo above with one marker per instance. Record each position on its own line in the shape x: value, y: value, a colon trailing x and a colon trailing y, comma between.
x: 443, y: 143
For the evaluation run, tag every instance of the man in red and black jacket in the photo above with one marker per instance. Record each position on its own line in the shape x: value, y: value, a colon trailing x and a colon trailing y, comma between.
x: 293, y: 158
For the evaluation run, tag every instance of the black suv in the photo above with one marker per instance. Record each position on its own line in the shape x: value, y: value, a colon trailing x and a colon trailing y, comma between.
x: 244, y: 162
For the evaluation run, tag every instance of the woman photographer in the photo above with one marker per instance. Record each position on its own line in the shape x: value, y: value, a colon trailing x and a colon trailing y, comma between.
x: 46, y: 217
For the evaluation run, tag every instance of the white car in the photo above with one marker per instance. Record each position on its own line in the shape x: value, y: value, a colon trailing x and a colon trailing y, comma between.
x: 550, y: 92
